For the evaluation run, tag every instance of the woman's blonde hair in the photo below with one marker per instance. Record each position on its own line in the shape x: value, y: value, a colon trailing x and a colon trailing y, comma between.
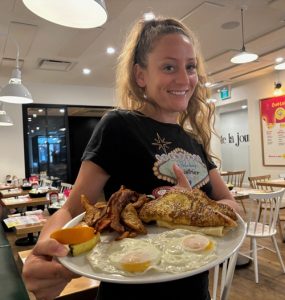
x: 199, y: 115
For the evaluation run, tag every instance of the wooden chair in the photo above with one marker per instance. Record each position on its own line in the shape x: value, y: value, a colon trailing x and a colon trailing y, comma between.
x: 254, y: 179
x: 236, y: 179
x: 263, y: 227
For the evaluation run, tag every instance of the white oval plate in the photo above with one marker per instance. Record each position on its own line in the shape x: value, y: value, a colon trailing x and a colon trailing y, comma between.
x: 226, y: 246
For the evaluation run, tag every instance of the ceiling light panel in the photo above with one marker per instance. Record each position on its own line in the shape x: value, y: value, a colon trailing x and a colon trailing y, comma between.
x: 55, y: 65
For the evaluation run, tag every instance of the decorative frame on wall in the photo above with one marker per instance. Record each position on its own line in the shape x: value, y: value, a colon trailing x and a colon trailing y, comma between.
x: 272, y: 120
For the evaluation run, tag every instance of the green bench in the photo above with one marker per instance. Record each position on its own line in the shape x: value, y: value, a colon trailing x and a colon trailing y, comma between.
x: 13, y: 287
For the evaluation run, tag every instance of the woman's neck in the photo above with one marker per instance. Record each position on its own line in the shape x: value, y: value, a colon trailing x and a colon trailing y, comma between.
x: 159, y: 115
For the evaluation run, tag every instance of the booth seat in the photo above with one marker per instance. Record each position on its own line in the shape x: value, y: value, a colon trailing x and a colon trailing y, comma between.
x: 13, y: 287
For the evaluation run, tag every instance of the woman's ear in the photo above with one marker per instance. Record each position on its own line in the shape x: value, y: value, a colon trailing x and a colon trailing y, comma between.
x: 139, y: 75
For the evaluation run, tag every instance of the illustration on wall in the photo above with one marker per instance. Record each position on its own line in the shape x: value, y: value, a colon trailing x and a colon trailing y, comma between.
x: 272, y: 112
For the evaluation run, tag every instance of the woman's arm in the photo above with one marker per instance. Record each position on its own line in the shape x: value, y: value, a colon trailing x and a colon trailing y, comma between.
x: 220, y: 191
x: 43, y: 275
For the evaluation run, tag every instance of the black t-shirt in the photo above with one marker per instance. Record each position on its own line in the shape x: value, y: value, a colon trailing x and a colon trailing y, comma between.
x: 138, y: 152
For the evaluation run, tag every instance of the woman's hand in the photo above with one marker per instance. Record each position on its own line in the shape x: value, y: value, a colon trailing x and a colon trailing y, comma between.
x: 182, y: 180
x: 44, y: 276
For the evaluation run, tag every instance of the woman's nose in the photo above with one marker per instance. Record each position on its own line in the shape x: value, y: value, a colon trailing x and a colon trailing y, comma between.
x: 182, y: 77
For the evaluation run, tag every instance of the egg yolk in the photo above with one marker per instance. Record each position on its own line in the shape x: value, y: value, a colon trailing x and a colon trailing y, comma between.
x: 197, y: 243
x: 135, y: 262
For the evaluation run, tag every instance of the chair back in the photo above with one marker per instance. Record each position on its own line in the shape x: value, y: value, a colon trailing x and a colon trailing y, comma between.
x: 65, y: 186
x: 228, y: 268
x: 265, y: 224
x: 46, y: 182
x: 254, y: 179
x: 234, y: 177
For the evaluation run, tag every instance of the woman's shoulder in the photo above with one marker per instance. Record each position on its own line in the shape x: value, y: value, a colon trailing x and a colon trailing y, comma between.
x: 119, y: 113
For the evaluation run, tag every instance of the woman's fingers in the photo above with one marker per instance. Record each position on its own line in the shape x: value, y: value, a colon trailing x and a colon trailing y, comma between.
x: 50, y: 247
x: 43, y: 274
x: 182, y: 180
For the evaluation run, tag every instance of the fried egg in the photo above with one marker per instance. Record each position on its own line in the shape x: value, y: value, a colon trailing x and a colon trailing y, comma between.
x: 125, y: 257
x: 174, y: 251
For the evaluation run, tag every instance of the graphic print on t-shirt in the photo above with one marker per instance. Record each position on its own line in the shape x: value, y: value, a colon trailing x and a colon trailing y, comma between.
x: 192, y: 164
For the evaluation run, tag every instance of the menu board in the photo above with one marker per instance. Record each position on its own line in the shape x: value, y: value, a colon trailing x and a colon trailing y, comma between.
x: 272, y: 112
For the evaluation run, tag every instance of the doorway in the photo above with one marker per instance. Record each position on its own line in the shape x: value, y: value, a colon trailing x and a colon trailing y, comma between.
x: 234, y: 137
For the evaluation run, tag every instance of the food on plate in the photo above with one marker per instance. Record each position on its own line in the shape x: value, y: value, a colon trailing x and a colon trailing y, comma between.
x: 119, y: 214
x: 209, y: 230
x: 130, y: 217
x: 192, y: 208
x: 127, y: 211
x: 173, y: 251
x: 79, y: 238
x: 77, y: 249
x: 92, y: 212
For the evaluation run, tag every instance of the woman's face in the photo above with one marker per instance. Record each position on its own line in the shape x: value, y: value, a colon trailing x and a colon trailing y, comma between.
x: 170, y: 77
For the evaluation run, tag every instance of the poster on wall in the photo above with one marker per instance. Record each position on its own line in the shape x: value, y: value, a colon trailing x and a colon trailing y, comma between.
x: 272, y: 116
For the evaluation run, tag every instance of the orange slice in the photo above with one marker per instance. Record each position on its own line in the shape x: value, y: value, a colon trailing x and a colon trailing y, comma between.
x: 73, y: 235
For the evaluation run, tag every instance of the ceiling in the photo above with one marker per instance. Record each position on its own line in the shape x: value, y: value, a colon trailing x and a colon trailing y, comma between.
x: 54, y: 54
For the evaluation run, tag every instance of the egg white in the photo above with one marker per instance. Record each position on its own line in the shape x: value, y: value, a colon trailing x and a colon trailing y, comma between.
x: 166, y: 252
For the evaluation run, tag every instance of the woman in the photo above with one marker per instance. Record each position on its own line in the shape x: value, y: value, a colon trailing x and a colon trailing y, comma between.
x: 160, y: 136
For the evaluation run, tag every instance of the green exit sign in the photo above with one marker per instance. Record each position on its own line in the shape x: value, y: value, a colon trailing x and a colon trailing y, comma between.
x: 225, y: 93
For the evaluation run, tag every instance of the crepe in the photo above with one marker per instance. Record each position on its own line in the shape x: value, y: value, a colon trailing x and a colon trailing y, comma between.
x: 191, y: 208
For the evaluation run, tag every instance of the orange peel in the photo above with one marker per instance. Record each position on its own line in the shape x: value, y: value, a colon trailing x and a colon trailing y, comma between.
x: 73, y: 235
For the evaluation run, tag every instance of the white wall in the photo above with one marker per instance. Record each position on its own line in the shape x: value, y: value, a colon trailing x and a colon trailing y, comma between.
x: 253, y: 91
x: 235, y: 144
x: 11, y: 138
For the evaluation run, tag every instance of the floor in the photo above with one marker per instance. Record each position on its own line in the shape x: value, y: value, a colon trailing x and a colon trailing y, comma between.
x: 272, y: 280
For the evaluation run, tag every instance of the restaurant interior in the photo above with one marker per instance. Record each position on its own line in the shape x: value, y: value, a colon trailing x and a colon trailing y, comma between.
x: 68, y: 75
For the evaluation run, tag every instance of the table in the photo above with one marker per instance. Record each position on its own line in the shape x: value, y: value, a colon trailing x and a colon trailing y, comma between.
x: 28, y: 229
x: 273, y: 183
x: 7, y: 193
x: 80, y: 286
x: 6, y: 186
x: 13, y: 202
x: 243, y: 193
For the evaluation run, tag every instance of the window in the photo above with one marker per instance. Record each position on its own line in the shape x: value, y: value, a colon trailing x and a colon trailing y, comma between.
x: 55, y: 137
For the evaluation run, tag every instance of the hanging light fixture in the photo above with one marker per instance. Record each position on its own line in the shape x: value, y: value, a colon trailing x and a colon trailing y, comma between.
x: 70, y: 13
x: 244, y: 56
x: 15, y: 91
x: 5, y: 120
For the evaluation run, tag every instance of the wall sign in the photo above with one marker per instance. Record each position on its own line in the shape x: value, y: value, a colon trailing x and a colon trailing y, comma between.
x: 225, y: 93
x: 272, y: 116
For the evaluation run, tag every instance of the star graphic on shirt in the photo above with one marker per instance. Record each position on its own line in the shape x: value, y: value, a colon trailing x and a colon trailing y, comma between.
x: 161, y: 143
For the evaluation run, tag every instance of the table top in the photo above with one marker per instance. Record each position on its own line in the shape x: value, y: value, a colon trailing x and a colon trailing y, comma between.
x: 6, y: 186
x: 12, y: 193
x: 273, y: 182
x: 13, y: 202
x: 243, y: 193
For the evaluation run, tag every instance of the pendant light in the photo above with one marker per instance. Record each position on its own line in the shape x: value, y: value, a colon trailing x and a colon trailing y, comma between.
x: 5, y: 120
x: 70, y: 13
x: 244, y: 56
x: 15, y: 91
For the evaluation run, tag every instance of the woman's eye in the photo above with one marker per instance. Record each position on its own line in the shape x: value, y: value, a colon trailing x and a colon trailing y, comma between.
x: 191, y: 68
x: 168, y: 68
